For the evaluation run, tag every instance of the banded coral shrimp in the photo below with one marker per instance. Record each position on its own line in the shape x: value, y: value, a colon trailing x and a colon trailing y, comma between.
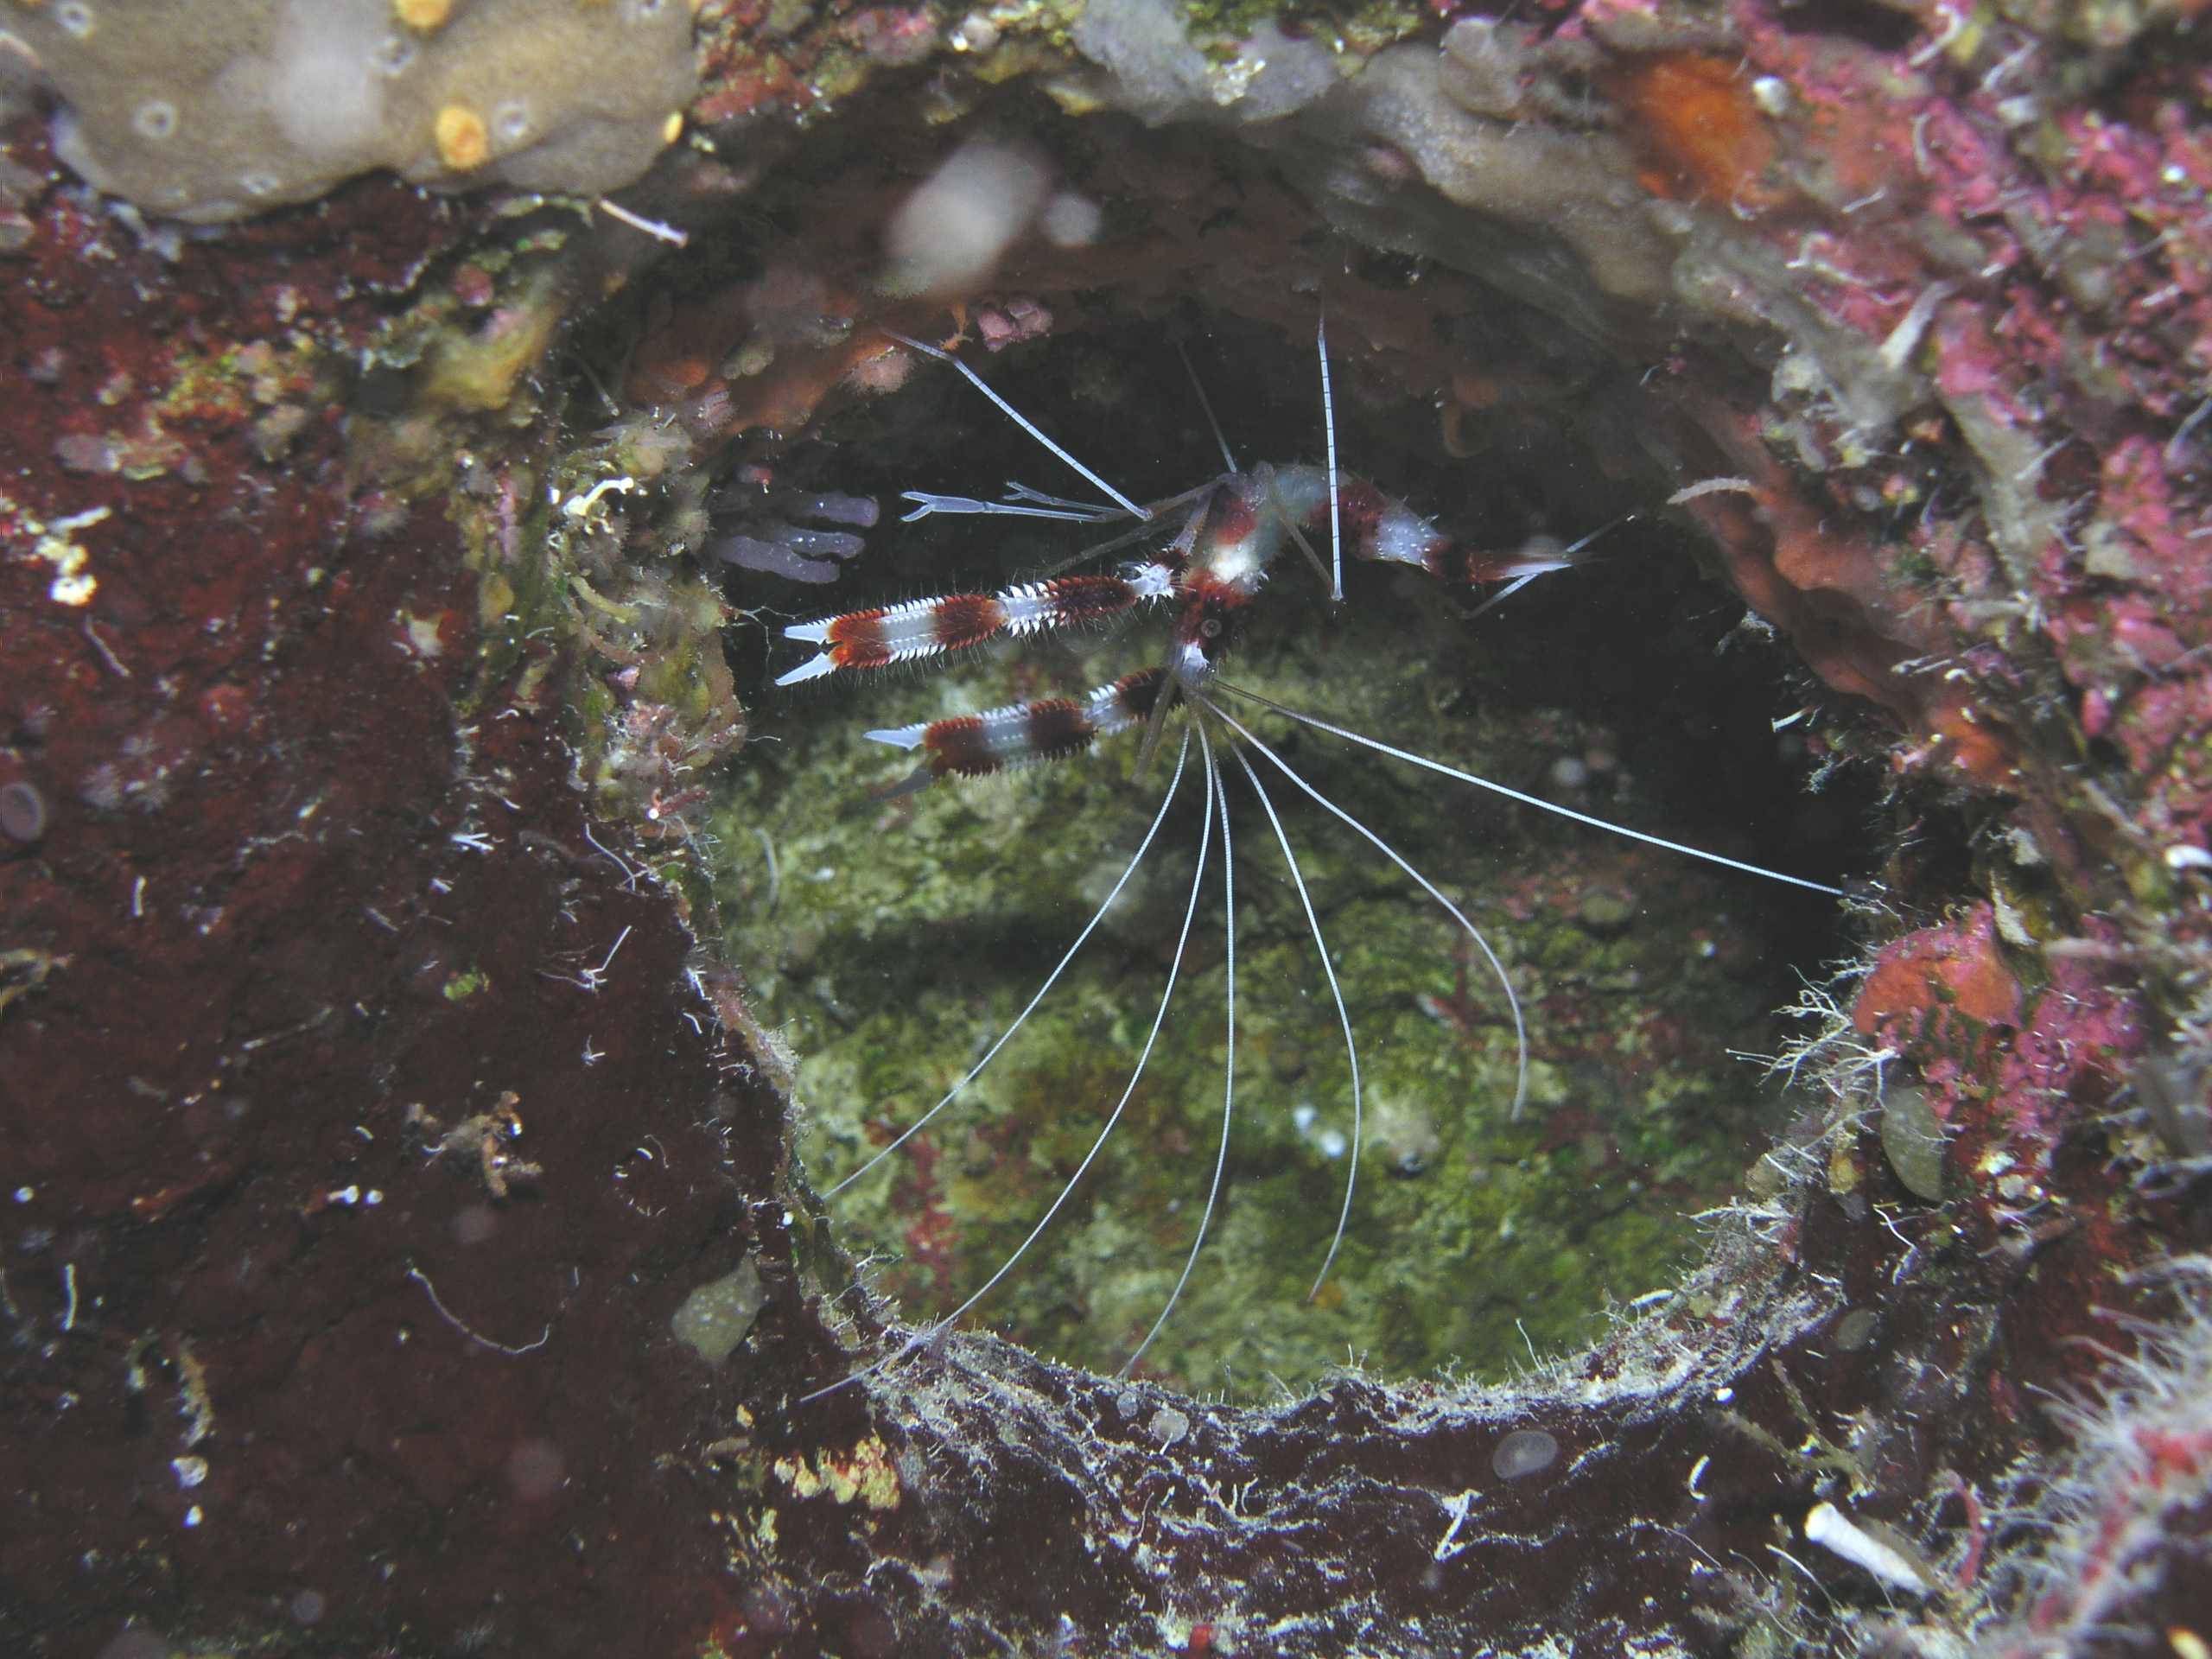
x: 899, y: 937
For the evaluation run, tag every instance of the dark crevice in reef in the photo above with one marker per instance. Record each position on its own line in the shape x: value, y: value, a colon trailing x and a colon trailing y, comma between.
x: 1625, y: 688
x: 1867, y: 22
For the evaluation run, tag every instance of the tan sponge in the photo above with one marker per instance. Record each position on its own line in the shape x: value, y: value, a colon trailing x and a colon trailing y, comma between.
x: 209, y: 109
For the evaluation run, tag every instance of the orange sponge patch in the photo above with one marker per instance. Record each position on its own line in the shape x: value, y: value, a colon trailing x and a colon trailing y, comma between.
x: 1696, y: 130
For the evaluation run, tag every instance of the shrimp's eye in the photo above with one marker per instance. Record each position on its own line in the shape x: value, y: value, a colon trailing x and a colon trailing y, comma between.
x: 1210, y: 628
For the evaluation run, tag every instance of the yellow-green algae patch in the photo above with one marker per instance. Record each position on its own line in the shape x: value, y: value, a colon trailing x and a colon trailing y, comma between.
x: 718, y: 1315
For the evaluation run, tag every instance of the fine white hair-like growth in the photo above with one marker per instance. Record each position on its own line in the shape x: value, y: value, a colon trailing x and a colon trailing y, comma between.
x: 2114, y: 1513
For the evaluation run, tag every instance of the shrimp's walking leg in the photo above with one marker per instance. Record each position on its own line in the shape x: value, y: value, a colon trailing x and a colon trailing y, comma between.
x: 1219, y: 793
x: 1343, y: 1019
x: 1498, y: 967
x: 1050, y: 979
x: 928, y: 1334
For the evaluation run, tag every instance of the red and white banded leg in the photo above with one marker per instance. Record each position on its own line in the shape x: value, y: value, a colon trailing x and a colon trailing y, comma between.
x: 1027, y: 733
x: 924, y: 628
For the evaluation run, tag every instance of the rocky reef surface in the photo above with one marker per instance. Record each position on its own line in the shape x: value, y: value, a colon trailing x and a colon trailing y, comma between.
x: 425, y: 929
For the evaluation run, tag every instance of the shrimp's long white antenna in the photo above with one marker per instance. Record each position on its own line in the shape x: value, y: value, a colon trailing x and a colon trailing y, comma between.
x: 1497, y: 967
x: 1174, y: 968
x: 1563, y: 555
x: 1051, y: 979
x: 1021, y: 420
x: 1344, y: 1018
x: 1229, y: 1066
x: 1537, y: 801
x: 1328, y: 423
x: 1227, y: 456
x: 1502, y: 595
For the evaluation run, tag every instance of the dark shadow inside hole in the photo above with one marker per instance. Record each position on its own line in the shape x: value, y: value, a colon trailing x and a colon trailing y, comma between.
x: 1885, y: 28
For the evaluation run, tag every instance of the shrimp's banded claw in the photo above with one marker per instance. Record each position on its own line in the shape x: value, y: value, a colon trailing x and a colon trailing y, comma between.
x: 1026, y: 734
x: 924, y: 627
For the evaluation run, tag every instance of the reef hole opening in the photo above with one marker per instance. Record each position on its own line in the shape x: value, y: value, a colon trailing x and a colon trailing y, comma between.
x: 905, y: 933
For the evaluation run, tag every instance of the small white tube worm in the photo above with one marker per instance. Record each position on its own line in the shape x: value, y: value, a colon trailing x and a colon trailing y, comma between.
x: 1827, y: 1526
